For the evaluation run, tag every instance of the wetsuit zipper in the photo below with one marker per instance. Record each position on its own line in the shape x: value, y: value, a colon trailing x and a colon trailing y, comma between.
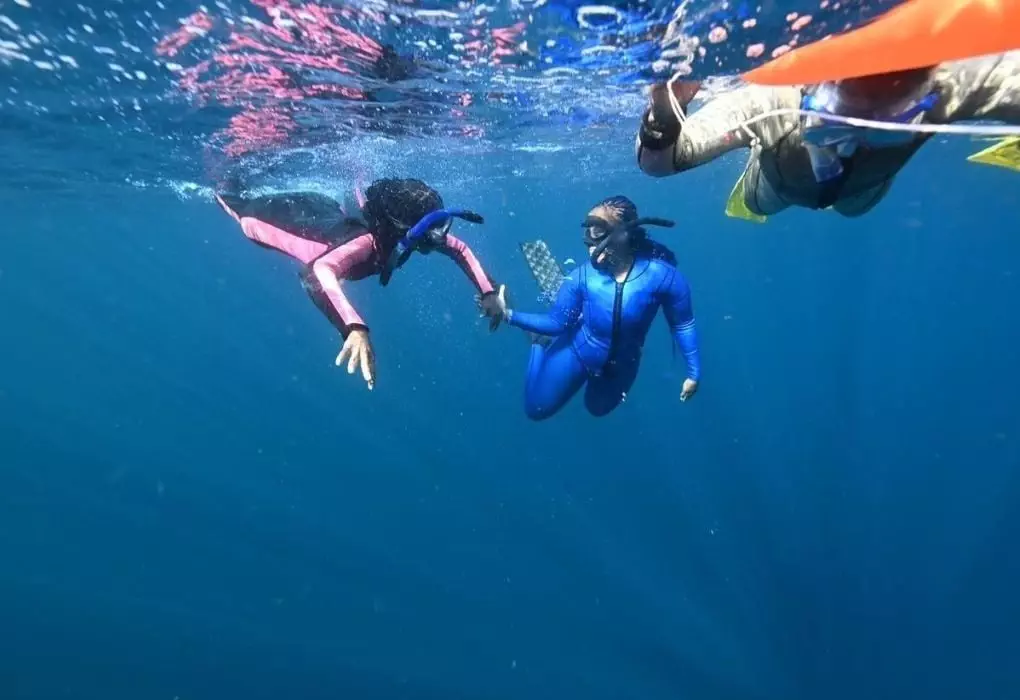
x: 617, y: 310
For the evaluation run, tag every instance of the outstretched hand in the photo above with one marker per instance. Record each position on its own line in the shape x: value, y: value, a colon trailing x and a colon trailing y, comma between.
x: 357, y: 352
x: 493, y: 306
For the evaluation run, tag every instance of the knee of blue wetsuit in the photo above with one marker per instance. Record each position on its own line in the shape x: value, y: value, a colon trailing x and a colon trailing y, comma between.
x: 554, y: 376
x: 608, y: 391
x: 535, y: 411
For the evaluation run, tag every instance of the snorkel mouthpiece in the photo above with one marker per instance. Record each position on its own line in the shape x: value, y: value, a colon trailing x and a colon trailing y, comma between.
x: 418, y: 233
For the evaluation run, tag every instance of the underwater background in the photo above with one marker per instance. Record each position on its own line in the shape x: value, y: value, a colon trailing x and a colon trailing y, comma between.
x: 195, y: 504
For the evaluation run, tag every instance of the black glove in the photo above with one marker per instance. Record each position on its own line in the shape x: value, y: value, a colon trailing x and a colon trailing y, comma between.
x: 660, y: 127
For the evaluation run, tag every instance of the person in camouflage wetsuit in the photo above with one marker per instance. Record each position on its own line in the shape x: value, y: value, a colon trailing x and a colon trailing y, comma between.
x: 780, y: 173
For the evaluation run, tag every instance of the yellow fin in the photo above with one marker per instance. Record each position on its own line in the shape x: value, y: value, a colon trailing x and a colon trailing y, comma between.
x: 736, y: 207
x: 1005, y: 154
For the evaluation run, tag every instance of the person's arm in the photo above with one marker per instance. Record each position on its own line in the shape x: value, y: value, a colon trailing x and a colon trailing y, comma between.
x: 458, y: 251
x: 338, y: 264
x: 666, y: 146
x: 679, y: 312
x: 560, y: 317
x: 982, y: 88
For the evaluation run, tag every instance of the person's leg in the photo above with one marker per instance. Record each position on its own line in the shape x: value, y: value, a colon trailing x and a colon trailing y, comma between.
x: 313, y: 229
x: 760, y: 196
x: 296, y: 224
x: 605, y: 392
x: 554, y: 375
x: 860, y: 204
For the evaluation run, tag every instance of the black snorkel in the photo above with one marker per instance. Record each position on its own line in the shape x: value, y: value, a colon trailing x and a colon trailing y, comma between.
x: 616, y: 235
x: 430, y: 231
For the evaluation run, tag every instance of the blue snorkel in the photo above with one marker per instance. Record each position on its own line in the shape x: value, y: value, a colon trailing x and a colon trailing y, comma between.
x: 430, y: 231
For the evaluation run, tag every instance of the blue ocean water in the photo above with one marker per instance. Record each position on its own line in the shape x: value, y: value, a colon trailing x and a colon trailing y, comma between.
x: 196, y: 504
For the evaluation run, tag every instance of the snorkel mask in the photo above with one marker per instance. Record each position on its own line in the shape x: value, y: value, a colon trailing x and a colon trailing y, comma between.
x: 849, y: 99
x: 426, y: 235
x: 605, y: 236
x: 892, y: 99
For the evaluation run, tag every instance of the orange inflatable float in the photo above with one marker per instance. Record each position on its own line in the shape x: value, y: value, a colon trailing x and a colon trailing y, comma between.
x: 915, y: 34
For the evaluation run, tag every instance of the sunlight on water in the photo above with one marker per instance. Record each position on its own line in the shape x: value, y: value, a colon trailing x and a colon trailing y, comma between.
x: 196, y: 87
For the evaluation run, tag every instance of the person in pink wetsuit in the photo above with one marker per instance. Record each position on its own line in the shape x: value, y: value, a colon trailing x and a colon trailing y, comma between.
x: 397, y: 217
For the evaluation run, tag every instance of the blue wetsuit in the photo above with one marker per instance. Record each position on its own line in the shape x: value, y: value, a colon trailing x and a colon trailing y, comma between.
x: 600, y: 327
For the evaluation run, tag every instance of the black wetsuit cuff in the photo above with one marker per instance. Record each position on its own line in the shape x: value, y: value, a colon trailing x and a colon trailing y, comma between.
x: 356, y: 327
x: 489, y: 293
x: 658, y: 140
x: 664, y: 134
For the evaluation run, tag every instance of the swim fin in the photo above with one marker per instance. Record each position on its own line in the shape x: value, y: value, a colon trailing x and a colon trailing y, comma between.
x: 1005, y: 153
x: 736, y: 207
x: 544, y: 268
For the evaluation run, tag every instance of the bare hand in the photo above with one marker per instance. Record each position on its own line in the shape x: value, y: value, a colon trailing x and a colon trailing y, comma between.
x: 357, y: 352
x: 493, y: 306
x: 689, y: 390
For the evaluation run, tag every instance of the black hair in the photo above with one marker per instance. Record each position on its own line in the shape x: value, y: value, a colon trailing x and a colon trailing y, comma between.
x: 640, y: 242
x: 392, y: 206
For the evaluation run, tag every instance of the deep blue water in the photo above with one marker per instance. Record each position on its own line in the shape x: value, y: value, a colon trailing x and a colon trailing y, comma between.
x: 196, y: 504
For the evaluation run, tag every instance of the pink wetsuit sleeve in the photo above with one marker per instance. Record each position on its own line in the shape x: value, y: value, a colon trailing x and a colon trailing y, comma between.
x: 459, y: 251
x: 335, y: 266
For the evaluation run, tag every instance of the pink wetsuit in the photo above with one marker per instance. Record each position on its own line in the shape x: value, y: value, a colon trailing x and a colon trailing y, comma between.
x: 313, y: 229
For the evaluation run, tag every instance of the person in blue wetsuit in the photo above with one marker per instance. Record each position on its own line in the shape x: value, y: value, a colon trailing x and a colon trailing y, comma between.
x: 595, y: 331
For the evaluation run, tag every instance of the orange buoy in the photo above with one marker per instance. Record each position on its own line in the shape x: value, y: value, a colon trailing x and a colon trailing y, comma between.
x: 915, y: 34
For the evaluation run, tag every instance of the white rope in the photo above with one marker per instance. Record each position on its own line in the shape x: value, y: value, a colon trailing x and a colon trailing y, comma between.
x: 959, y: 129
x: 955, y: 129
